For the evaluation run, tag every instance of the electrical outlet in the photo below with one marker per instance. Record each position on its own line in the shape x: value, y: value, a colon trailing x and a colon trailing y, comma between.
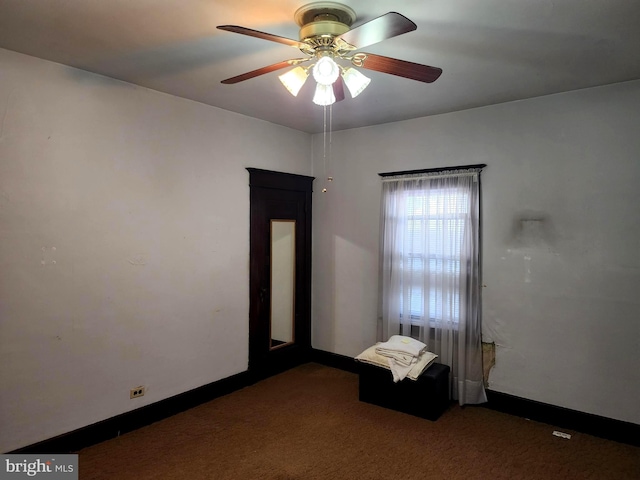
x: 561, y: 434
x: 136, y: 392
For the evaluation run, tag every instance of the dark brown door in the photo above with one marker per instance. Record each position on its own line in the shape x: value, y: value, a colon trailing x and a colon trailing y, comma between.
x: 280, y: 266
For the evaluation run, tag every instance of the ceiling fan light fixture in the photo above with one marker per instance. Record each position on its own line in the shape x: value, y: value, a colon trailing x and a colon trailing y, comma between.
x: 324, y: 95
x: 326, y: 71
x: 325, y: 36
x: 356, y: 82
x: 294, y: 79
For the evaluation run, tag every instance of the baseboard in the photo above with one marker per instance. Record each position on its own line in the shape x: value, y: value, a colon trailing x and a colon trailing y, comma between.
x: 126, y: 422
x: 603, y: 427
x: 595, y: 425
x: 335, y: 360
x: 611, y: 429
x: 129, y: 421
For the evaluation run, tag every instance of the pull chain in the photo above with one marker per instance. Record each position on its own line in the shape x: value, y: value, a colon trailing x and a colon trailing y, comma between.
x: 324, y: 143
x: 329, y: 177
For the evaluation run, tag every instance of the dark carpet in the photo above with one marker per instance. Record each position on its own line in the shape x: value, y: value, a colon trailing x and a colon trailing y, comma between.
x: 307, y: 423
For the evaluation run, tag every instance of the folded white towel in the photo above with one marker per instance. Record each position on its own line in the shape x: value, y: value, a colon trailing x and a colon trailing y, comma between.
x: 402, y: 348
x: 403, y: 353
x: 371, y: 357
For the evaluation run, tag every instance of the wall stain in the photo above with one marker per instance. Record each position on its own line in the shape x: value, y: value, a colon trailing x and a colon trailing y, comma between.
x: 531, y: 229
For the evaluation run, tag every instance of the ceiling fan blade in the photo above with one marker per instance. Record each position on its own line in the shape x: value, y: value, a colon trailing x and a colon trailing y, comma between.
x: 338, y: 89
x: 401, y: 68
x: 263, y: 70
x: 381, y: 28
x: 262, y: 35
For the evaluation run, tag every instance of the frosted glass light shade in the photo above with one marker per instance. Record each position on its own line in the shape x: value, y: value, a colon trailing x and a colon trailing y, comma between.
x: 326, y: 71
x: 294, y: 79
x: 324, y: 95
x: 356, y: 81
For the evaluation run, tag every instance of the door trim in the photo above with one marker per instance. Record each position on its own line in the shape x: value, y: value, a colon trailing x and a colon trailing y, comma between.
x: 262, y: 361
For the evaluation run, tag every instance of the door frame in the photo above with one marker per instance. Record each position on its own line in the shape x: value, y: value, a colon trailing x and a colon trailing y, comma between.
x: 264, y: 362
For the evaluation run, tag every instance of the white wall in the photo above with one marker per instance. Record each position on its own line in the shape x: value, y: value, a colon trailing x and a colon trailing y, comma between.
x: 562, y: 296
x: 124, y: 244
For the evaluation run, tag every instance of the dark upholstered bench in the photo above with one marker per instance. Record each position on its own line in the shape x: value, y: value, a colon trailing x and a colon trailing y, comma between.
x: 427, y: 397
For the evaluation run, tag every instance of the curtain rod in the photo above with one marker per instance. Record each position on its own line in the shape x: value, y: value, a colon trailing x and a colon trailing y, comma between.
x: 432, y: 170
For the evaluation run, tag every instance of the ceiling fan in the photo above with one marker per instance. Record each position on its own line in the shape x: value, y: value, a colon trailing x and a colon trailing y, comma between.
x: 326, y: 36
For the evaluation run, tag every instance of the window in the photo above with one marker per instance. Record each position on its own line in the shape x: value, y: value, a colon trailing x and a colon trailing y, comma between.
x: 435, y: 229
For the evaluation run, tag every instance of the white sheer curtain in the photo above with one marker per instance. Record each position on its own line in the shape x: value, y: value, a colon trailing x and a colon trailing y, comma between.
x: 430, y: 270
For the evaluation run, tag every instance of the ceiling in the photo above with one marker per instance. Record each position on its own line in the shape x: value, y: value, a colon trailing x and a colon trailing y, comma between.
x: 490, y: 51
